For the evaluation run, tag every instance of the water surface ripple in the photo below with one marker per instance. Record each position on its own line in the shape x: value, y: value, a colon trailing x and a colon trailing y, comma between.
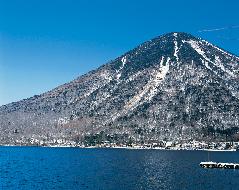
x: 108, y: 169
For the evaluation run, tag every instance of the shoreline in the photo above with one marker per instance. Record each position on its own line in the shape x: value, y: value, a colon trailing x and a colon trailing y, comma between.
x: 126, y: 147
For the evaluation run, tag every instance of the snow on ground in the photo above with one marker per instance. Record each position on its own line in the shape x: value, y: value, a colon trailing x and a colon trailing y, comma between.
x: 119, y: 72
x: 150, y: 89
x: 219, y: 64
x: 103, y: 97
x: 134, y: 76
x: 219, y: 49
x: 206, y: 64
x: 176, y: 49
x: 105, y: 78
x: 63, y: 121
x: 123, y: 60
x: 195, y: 45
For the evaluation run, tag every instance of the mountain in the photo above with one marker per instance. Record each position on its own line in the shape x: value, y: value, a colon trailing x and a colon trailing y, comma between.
x: 174, y: 87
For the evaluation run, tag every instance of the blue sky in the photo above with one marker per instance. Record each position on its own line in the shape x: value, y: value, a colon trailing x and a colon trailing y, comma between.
x: 45, y: 43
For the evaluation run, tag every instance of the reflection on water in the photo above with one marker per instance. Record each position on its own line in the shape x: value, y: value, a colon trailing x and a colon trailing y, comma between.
x: 73, y: 168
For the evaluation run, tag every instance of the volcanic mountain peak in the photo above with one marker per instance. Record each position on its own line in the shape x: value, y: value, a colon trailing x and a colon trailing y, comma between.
x: 176, y: 49
x: 175, y: 85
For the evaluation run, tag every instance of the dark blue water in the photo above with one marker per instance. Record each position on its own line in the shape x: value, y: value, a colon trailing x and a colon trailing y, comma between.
x: 74, y: 168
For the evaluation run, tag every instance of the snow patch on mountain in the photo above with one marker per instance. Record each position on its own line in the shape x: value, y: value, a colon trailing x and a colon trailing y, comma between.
x: 123, y: 60
x: 104, y: 78
x: 176, y: 49
x: 63, y: 121
x: 219, y: 49
x: 206, y: 64
x: 219, y: 64
x: 150, y: 89
x: 133, y: 77
x: 195, y: 45
x: 119, y: 72
x: 98, y: 101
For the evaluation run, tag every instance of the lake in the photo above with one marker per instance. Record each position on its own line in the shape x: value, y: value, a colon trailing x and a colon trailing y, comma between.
x: 106, y: 169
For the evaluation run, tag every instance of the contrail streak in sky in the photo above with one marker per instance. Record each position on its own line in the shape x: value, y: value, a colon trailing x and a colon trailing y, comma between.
x: 219, y: 29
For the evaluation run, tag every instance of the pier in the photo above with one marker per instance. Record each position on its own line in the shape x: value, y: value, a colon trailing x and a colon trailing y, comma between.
x: 219, y: 165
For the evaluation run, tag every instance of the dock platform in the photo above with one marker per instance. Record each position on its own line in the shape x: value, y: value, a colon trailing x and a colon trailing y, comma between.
x: 219, y: 165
